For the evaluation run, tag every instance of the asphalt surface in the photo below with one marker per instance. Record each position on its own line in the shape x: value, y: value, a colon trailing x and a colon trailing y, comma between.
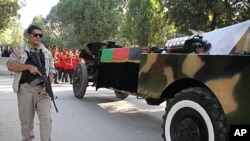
x: 3, y: 69
x: 99, y: 116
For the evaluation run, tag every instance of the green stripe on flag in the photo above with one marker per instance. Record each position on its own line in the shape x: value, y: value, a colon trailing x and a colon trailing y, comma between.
x: 107, y: 54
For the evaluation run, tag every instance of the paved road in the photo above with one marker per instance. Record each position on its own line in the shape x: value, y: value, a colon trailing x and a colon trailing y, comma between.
x: 3, y: 68
x: 99, y: 116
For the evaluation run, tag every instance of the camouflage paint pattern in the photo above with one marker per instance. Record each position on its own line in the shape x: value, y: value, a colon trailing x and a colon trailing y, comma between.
x: 227, y: 76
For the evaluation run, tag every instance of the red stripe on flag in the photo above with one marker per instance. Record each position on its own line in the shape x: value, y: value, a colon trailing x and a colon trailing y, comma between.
x: 120, y: 53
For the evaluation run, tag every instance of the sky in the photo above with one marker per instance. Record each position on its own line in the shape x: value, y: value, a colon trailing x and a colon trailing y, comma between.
x: 34, y: 8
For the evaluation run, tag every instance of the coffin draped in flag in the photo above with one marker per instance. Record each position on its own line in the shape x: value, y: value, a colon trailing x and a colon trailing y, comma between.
x: 121, y: 54
x: 119, y: 68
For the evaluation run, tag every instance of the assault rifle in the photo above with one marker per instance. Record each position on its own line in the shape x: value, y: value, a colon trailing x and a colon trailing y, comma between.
x: 43, y: 78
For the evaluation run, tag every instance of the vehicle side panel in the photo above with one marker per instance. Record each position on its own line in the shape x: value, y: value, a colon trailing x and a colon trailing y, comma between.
x: 119, y: 68
x: 226, y: 75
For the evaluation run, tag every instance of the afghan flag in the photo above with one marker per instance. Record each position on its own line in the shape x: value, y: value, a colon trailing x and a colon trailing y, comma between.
x: 121, y: 54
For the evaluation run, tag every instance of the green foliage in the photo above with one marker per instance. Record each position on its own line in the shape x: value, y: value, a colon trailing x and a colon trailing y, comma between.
x: 241, y: 10
x: 144, y: 22
x: 8, y: 13
x: 205, y: 15
x: 128, y: 27
x: 58, y: 33
x: 12, y: 36
x: 5, y: 37
x: 135, y: 22
x: 94, y: 20
x: 17, y: 35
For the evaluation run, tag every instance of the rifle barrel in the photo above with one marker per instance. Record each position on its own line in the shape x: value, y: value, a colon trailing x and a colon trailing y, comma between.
x: 45, y: 79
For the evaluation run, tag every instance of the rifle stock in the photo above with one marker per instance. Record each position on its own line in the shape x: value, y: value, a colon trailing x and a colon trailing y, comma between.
x: 43, y: 78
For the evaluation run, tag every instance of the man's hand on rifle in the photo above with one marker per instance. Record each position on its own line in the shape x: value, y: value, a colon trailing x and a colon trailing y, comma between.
x: 34, y: 70
x: 43, y: 91
x: 43, y: 78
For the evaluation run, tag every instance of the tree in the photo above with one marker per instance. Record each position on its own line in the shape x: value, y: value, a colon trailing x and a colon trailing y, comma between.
x: 94, y: 20
x: 63, y: 34
x: 5, y: 37
x: 17, y: 35
x: 241, y: 9
x: 128, y: 26
x: 55, y: 27
x: 144, y: 22
x: 13, y: 35
x: 205, y: 15
x: 8, y: 13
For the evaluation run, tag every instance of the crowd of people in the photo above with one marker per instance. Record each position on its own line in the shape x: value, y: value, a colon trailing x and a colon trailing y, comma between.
x: 65, y: 62
x: 5, y: 51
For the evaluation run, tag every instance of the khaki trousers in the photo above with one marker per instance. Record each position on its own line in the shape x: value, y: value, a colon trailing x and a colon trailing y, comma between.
x: 29, y: 102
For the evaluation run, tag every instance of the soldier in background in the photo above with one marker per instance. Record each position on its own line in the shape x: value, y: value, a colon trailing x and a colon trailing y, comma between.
x: 60, y: 65
x: 68, y: 66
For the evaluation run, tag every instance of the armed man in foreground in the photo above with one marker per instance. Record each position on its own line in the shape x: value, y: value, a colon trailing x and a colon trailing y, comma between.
x: 32, y: 98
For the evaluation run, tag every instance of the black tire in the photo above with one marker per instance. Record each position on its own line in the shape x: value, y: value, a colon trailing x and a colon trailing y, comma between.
x: 194, y: 114
x: 121, y: 95
x: 80, y: 80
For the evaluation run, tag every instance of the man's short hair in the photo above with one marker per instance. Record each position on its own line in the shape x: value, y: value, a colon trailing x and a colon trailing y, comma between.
x: 33, y: 27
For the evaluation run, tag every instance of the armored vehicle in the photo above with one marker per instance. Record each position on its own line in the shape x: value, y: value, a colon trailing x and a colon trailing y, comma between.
x: 204, y: 80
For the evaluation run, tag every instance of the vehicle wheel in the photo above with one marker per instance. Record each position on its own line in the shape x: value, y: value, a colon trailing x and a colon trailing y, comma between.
x: 121, y: 95
x: 80, y: 80
x: 194, y: 114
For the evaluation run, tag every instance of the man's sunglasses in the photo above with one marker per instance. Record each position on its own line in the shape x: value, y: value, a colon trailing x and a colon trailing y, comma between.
x: 37, y: 34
